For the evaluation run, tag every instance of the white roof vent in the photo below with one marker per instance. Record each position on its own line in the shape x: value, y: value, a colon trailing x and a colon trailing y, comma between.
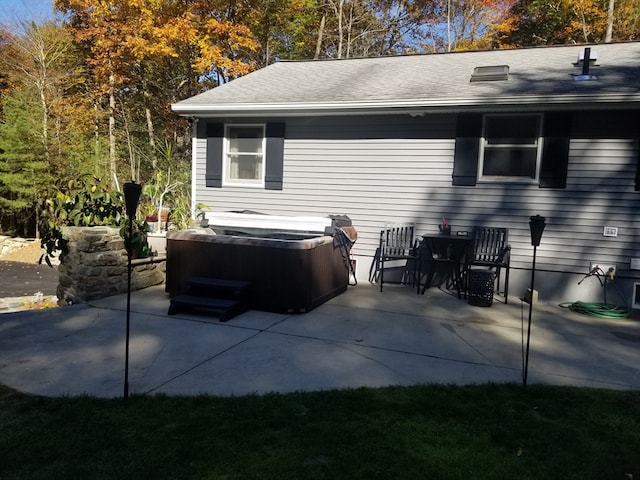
x: 490, y: 73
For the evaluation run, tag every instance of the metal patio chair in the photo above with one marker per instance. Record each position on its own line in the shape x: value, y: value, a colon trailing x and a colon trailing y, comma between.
x: 490, y: 248
x: 399, y: 252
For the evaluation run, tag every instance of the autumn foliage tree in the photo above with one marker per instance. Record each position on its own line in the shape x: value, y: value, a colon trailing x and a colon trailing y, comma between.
x: 626, y: 20
x: 145, y: 54
x: 554, y: 22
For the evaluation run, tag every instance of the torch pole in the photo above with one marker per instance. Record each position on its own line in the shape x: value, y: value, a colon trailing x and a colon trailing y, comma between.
x: 132, y: 192
x: 526, y: 361
x: 126, y: 351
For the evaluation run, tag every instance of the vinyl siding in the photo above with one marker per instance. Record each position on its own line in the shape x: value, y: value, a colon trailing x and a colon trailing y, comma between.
x: 398, y: 168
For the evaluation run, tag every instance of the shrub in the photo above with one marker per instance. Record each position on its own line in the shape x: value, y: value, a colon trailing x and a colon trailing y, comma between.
x: 87, y: 201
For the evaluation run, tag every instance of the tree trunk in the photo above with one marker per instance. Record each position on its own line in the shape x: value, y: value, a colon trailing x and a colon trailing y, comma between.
x: 609, y: 34
x: 320, y: 35
x: 112, y: 133
x: 132, y: 160
x: 349, y: 31
x: 340, y: 33
x: 96, y: 134
x: 152, y: 138
x: 147, y: 114
x: 448, y: 25
x: 45, y: 121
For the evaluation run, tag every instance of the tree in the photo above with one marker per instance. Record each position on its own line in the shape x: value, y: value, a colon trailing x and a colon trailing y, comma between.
x: 40, y: 70
x: 24, y: 172
x: 140, y: 52
x: 362, y: 28
x: 273, y: 25
x: 450, y: 25
x: 553, y: 22
x: 40, y: 59
x: 626, y: 20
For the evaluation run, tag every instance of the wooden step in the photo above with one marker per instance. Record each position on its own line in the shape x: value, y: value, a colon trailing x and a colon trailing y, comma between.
x: 218, y: 283
x: 218, y: 287
x: 224, y: 308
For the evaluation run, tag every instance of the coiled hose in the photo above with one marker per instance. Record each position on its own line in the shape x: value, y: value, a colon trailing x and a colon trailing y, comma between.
x: 598, y: 310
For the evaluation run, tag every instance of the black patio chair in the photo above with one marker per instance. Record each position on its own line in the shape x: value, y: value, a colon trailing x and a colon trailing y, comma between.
x: 490, y: 248
x: 399, y: 247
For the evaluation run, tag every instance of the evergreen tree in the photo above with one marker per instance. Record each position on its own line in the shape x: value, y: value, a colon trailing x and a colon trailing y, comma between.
x: 24, y: 172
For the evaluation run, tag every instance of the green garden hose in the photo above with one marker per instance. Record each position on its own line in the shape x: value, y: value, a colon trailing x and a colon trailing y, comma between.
x: 598, y: 310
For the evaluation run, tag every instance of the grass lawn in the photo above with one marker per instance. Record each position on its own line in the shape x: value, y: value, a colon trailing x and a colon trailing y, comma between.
x: 424, y: 432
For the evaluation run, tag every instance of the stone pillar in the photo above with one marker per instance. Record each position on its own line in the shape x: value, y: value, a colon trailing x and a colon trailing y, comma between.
x: 96, y: 266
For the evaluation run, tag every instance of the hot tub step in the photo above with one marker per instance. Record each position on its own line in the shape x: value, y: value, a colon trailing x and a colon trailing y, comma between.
x: 224, y: 308
x: 227, y: 288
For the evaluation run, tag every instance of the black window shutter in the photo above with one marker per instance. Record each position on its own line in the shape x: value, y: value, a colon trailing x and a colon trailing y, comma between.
x: 275, y: 156
x: 215, y: 141
x: 555, y: 151
x: 465, y: 160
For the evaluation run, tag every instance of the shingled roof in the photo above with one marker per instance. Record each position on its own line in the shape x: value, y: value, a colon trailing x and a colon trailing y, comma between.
x: 541, y: 77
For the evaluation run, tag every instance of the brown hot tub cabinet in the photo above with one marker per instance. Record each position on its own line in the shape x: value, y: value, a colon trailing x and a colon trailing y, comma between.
x: 285, y: 275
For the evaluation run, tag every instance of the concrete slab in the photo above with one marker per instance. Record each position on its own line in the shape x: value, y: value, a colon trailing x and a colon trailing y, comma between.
x: 360, y: 338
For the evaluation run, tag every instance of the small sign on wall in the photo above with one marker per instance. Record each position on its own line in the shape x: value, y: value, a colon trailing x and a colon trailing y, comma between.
x: 610, y: 232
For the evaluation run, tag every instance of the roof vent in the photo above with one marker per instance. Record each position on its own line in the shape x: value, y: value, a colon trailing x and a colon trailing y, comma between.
x: 586, y: 59
x: 490, y: 73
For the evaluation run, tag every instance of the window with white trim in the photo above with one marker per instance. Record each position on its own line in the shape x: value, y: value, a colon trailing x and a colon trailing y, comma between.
x: 244, y: 157
x: 510, y: 148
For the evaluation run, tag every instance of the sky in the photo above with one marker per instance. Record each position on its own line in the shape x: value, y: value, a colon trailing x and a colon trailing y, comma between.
x: 16, y: 11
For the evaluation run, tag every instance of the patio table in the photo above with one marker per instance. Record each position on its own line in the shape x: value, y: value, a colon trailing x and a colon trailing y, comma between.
x: 445, y: 253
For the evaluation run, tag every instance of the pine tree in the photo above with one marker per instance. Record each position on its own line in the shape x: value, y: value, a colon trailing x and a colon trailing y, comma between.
x: 24, y: 172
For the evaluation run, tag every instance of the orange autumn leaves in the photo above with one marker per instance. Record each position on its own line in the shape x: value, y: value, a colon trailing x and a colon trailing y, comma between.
x: 122, y: 34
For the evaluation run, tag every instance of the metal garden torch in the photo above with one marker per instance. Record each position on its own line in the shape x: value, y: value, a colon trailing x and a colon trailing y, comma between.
x: 132, y: 191
x: 536, y: 224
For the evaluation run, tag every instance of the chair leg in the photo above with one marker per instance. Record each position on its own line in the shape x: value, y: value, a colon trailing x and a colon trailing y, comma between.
x: 506, y: 285
x: 498, y: 280
x: 374, y: 269
x: 457, y: 280
x: 465, y: 280
x: 428, y: 278
x: 413, y: 274
x: 381, y: 271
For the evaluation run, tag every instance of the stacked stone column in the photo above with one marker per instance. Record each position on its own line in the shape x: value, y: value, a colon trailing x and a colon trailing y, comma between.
x: 96, y: 266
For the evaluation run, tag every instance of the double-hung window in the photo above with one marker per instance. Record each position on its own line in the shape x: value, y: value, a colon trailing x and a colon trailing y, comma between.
x: 510, y: 148
x: 244, y: 155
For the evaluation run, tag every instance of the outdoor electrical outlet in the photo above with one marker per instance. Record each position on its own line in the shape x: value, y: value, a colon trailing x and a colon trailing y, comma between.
x: 528, y: 298
x: 603, y: 268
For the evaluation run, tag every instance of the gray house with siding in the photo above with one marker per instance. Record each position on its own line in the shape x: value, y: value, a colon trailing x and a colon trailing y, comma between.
x: 480, y: 138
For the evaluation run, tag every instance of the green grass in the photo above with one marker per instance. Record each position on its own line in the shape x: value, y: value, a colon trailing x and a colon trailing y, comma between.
x: 425, y: 432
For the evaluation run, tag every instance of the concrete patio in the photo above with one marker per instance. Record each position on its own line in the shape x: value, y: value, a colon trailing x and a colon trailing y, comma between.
x: 360, y: 338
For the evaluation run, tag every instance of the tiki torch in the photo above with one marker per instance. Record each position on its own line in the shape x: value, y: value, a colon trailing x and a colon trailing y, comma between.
x: 132, y: 192
x: 536, y: 224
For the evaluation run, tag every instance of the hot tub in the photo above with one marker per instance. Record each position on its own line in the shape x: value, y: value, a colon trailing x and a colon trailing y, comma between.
x: 287, y: 275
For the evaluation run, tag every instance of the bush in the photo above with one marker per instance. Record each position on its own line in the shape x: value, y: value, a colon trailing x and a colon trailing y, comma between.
x: 85, y: 202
